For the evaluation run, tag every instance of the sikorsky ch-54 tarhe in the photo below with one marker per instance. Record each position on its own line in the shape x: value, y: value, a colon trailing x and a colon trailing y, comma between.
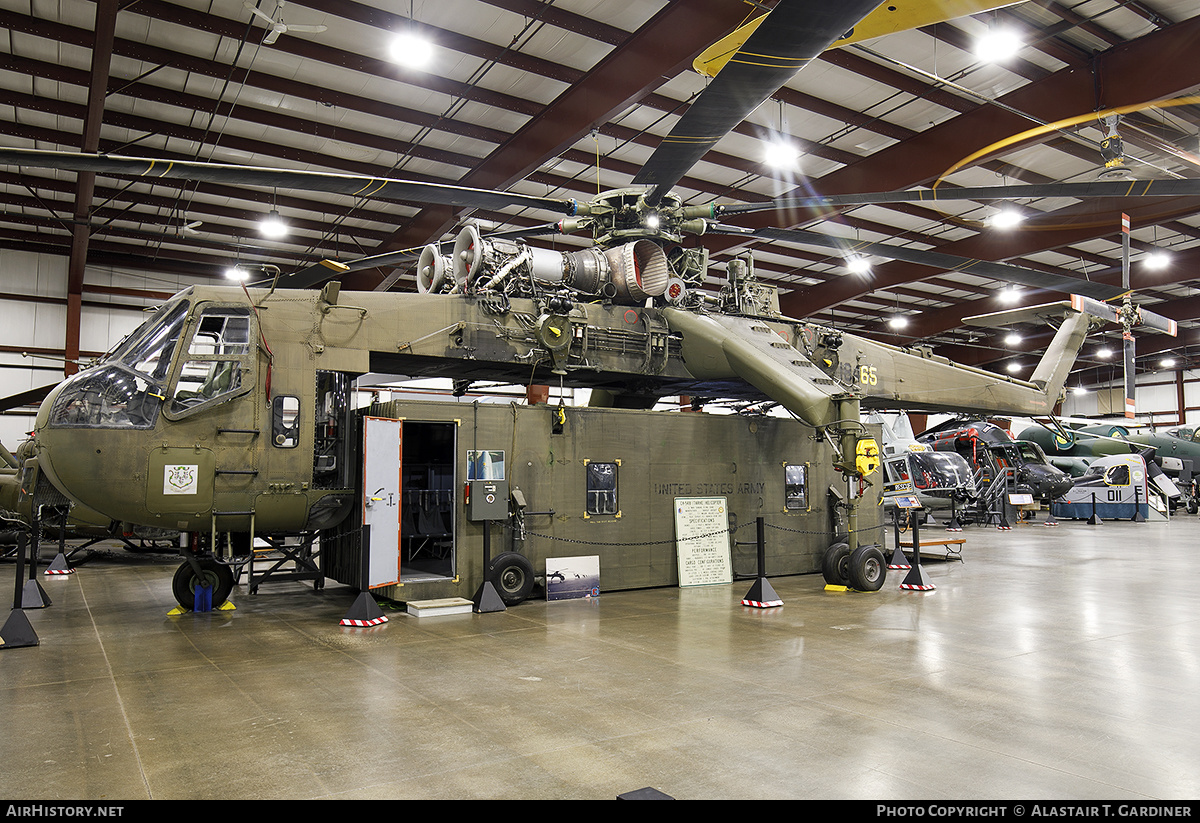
x: 229, y: 411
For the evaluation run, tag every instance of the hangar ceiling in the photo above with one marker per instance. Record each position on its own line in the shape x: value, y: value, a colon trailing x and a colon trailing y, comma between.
x: 561, y: 98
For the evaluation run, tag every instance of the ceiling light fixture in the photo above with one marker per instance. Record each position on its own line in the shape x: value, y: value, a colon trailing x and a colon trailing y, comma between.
x: 272, y: 226
x: 1156, y: 259
x: 1167, y: 362
x: 1006, y: 219
x: 411, y: 50
x: 1104, y: 353
x: 1013, y: 367
x: 236, y: 272
x: 997, y: 45
x: 1010, y: 295
x: 1012, y: 339
x: 858, y: 265
x: 898, y: 322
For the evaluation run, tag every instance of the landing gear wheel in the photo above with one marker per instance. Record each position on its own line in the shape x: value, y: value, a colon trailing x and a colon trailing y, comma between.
x: 835, y: 565
x: 867, y: 569
x: 512, y: 575
x: 216, y: 575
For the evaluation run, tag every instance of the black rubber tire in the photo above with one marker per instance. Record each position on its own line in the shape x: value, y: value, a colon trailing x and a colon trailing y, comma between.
x: 217, y: 575
x: 868, y: 569
x: 835, y: 564
x: 512, y: 575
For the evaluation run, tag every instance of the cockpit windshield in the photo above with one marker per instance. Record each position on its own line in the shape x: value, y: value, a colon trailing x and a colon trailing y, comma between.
x: 125, y: 391
x: 940, y: 470
x: 148, y: 350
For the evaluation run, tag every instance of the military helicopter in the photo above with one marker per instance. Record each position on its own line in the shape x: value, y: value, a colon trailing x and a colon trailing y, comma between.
x: 228, y: 412
x: 938, y: 479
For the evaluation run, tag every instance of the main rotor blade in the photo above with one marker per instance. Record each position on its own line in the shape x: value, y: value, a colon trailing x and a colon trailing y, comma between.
x: 947, y: 262
x: 384, y: 188
x: 795, y: 32
x: 1097, y: 188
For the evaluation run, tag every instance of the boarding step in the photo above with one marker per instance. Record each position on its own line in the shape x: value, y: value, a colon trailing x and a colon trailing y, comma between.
x: 439, y: 607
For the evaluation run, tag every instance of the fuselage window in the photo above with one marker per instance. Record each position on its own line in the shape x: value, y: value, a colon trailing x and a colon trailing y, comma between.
x: 285, y: 421
x: 602, y: 488
x: 795, y: 488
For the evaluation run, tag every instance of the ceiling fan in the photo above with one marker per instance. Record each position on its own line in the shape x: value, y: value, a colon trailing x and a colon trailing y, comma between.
x: 276, y: 23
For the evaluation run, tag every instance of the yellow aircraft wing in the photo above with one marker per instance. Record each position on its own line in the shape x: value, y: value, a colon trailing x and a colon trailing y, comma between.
x: 897, y: 15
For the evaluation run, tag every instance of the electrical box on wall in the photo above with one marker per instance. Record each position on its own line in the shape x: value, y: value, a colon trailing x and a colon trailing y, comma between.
x: 487, y: 488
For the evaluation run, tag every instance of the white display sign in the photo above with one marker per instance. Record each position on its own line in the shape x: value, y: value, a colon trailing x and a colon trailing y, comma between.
x: 702, y: 541
x: 181, y: 479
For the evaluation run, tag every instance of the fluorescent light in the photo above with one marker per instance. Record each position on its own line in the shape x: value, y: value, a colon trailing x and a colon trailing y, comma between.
x: 272, y: 226
x: 411, y: 50
x: 997, y: 45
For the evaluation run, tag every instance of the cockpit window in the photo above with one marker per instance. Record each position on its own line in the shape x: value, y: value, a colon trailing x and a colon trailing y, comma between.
x: 216, y: 363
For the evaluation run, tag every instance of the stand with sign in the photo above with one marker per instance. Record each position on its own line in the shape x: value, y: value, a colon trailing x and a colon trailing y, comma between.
x: 702, y: 541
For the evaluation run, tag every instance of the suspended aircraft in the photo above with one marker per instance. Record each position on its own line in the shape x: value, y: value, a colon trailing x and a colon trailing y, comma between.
x: 228, y: 412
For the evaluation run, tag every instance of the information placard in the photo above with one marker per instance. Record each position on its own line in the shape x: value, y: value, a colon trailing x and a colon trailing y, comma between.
x: 702, y: 541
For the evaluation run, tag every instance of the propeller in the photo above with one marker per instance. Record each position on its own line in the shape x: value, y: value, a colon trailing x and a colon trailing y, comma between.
x: 276, y: 24
x: 794, y: 32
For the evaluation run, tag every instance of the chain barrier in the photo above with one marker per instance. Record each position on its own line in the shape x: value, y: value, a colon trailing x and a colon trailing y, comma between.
x: 526, y: 534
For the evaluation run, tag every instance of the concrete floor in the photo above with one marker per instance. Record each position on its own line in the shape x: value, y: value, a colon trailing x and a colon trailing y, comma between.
x: 1052, y: 664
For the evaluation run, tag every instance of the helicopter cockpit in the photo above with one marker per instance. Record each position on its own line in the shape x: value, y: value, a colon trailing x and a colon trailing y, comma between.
x: 138, y: 379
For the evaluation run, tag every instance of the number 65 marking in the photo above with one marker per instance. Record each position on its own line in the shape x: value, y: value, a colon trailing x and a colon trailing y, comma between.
x: 867, y: 375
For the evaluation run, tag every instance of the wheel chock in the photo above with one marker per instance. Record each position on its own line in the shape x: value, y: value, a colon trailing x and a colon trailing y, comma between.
x: 364, y: 612
x: 899, y: 561
x: 59, y: 565
x: 17, y: 632
x: 761, y: 595
x: 832, y: 587
x: 918, y: 581
x: 33, y: 596
x: 202, y: 598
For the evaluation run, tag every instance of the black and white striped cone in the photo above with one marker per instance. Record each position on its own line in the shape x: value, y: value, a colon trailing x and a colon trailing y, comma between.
x: 365, y: 612
x: 59, y: 565
x: 761, y: 595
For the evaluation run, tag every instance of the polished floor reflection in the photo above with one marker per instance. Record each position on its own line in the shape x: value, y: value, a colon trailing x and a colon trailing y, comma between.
x: 1052, y: 663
